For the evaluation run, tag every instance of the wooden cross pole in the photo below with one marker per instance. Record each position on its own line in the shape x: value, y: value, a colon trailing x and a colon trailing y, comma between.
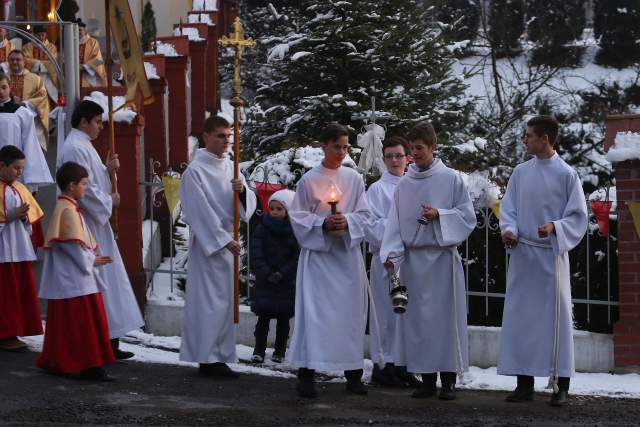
x: 236, y: 41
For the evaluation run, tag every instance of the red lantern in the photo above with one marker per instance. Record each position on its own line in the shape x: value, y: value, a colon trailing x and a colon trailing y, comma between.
x: 601, y: 209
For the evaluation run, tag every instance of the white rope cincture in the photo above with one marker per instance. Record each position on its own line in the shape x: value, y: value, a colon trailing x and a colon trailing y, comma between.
x: 459, y: 360
x: 553, y: 375
x: 374, y: 314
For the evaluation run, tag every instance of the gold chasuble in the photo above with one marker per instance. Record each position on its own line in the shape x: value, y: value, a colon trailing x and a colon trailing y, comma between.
x: 66, y: 225
x: 35, y: 212
x: 90, y: 55
x: 29, y: 87
x: 33, y: 56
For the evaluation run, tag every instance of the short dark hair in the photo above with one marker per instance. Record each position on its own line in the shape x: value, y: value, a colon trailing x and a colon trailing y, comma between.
x: 16, y: 51
x: 10, y: 153
x: 85, y: 110
x: 332, y: 132
x: 3, y: 76
x: 70, y: 172
x: 214, y: 122
x: 425, y: 132
x: 395, y: 141
x: 545, y: 125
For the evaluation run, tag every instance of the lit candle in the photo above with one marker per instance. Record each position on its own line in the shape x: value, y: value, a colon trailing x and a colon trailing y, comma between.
x: 333, y: 202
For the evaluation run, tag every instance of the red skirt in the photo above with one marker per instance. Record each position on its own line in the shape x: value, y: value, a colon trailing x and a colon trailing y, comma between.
x: 19, y: 307
x: 76, y: 336
x: 37, y: 236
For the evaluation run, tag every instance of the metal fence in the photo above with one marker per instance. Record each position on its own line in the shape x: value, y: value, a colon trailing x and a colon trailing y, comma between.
x: 593, y: 267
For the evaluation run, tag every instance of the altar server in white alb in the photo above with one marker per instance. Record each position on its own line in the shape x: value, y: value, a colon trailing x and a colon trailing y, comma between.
x: 331, y: 281
x: 396, y: 153
x: 543, y: 215
x: 17, y: 127
x: 430, y: 216
x: 206, y: 196
x: 120, y: 304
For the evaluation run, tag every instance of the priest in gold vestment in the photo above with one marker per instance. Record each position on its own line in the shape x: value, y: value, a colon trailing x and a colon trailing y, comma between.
x: 92, y: 72
x: 5, y: 48
x: 28, y: 88
x: 37, y: 61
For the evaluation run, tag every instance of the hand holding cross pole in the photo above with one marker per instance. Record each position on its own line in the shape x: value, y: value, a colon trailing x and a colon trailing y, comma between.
x: 237, y: 42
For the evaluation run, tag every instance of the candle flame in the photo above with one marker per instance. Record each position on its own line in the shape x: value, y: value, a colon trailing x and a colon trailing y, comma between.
x: 332, y: 197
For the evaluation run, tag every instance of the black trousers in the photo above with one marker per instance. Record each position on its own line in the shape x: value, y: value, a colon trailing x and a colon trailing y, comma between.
x: 262, y: 330
x: 527, y: 381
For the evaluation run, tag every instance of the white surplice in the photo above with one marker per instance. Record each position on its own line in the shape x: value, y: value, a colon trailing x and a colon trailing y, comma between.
x: 434, y: 333
x: 331, y: 282
x: 68, y: 270
x: 15, y: 236
x: 539, y: 192
x: 19, y: 129
x: 379, y: 198
x: 206, y: 197
x: 120, y: 304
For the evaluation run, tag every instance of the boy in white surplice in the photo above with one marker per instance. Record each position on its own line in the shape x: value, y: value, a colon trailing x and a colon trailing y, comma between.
x: 430, y: 216
x: 543, y: 215
x: 206, y: 196
x: 330, y: 311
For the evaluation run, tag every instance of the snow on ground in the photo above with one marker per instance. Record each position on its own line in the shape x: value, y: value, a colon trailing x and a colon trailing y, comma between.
x: 123, y: 115
x: 165, y: 350
x: 625, y: 147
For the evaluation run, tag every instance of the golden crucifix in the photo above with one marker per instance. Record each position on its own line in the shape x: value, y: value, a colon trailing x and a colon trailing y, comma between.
x: 236, y: 41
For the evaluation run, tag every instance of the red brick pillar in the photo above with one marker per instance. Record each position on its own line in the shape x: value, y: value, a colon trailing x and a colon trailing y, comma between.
x: 198, y: 57
x: 156, y: 137
x: 179, y: 121
x: 212, y: 83
x: 626, y: 332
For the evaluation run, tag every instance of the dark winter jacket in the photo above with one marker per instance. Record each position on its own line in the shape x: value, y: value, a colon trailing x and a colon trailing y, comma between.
x: 274, y: 249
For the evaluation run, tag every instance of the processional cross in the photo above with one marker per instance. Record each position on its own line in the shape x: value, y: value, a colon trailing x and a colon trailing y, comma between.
x: 238, y: 43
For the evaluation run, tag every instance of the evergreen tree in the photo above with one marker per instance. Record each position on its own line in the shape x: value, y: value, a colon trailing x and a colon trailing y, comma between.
x: 340, y: 54
x: 616, y: 25
x: 552, y: 25
x: 464, y: 15
x: 506, y: 25
x: 149, y: 30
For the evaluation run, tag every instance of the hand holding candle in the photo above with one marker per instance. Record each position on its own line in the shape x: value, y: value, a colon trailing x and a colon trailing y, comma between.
x: 336, y: 223
x: 428, y: 214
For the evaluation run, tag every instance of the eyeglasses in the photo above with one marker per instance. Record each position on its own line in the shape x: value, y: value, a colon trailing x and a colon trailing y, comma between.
x: 394, y: 156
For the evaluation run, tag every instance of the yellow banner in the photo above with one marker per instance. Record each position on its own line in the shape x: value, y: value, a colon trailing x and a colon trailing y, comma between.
x: 495, y: 208
x: 129, y: 51
x: 171, y: 186
x: 634, y: 208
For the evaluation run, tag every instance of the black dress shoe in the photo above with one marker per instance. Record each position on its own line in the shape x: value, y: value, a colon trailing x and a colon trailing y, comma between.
x: 561, y: 398
x: 96, y: 374
x: 521, y: 394
x: 357, y: 387
x: 306, y: 388
x: 122, y: 355
x: 386, y: 377
x: 217, y: 370
x: 425, y: 391
x: 448, y: 392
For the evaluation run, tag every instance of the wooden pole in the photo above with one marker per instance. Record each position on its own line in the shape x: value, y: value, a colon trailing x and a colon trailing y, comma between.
x: 111, y: 128
x: 237, y: 41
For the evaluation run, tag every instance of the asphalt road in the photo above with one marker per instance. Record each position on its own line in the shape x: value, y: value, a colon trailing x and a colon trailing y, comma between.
x: 152, y: 394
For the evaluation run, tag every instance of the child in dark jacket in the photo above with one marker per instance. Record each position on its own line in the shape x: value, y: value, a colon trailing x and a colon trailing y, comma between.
x: 274, y: 262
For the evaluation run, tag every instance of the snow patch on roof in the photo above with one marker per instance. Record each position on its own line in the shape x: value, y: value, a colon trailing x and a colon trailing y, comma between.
x: 192, y: 33
x: 625, y: 147
x: 123, y: 115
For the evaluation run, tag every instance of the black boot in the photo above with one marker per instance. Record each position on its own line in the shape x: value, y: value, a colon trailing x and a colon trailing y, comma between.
x: 385, y: 377
x: 119, y: 354
x: 306, y: 387
x: 354, y: 382
x: 561, y: 398
x: 411, y: 380
x: 448, y: 390
x: 217, y: 370
x: 428, y: 387
x: 96, y: 374
x: 523, y: 391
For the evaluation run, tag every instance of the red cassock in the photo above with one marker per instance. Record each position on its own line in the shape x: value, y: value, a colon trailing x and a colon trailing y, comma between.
x: 19, y: 307
x: 77, y: 335
x: 37, y: 235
